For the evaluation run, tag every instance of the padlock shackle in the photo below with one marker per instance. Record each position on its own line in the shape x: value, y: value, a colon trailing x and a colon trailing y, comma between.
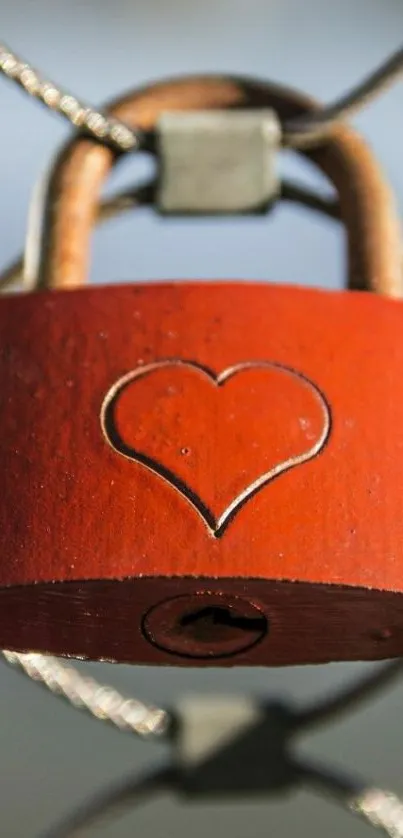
x: 80, y: 170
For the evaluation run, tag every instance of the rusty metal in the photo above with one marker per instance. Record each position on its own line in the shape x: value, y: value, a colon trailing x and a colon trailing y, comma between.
x: 366, y: 201
x: 297, y: 132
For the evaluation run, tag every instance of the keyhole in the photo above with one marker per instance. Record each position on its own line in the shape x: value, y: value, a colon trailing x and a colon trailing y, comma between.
x: 205, y: 625
x: 215, y: 622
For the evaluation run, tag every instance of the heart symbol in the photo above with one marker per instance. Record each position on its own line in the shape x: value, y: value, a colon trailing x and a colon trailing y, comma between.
x: 216, y: 438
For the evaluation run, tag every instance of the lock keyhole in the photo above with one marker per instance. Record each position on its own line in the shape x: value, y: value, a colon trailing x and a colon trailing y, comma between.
x: 215, y: 622
x: 205, y: 625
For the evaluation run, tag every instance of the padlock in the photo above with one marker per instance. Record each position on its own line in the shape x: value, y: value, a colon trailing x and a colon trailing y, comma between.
x: 204, y: 473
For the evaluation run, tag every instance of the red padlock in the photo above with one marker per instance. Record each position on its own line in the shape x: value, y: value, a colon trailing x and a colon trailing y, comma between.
x: 204, y: 473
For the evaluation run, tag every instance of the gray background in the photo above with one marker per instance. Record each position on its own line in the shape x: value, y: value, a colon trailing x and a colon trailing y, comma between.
x: 51, y: 757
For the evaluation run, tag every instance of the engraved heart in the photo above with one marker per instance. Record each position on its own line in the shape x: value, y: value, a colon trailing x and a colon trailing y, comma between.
x: 216, y: 438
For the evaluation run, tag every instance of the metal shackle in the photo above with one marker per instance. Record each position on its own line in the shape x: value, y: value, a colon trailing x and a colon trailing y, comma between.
x: 366, y: 203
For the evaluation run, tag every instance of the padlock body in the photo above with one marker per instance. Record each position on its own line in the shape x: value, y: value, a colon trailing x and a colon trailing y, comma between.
x: 202, y: 473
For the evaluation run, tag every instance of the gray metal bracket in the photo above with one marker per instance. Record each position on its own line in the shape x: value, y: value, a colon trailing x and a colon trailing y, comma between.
x: 217, y: 162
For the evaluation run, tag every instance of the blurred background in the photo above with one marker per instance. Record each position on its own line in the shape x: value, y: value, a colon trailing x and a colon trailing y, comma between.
x: 52, y: 758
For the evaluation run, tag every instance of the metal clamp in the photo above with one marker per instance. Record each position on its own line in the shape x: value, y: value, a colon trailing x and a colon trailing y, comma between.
x: 218, y: 162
